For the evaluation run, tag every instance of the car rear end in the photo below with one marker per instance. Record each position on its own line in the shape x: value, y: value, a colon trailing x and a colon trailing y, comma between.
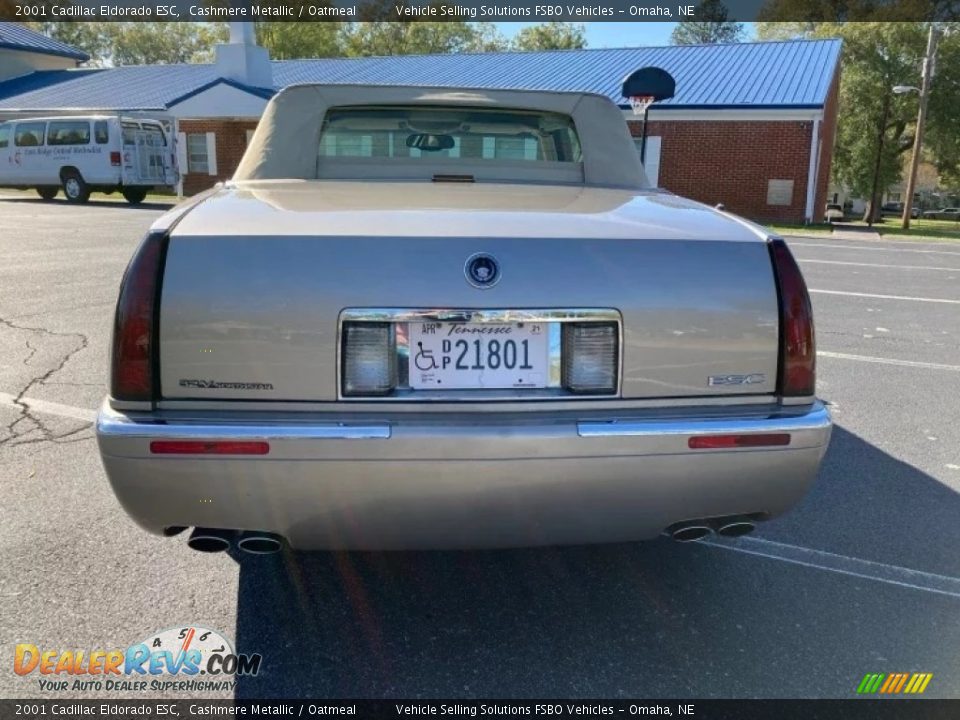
x: 465, y: 325
x: 347, y: 391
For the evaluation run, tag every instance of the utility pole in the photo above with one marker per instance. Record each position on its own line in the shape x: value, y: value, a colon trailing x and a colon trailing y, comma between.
x: 929, y: 61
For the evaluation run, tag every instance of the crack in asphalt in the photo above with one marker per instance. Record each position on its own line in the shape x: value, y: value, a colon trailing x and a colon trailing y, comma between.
x: 26, y: 415
x: 33, y: 351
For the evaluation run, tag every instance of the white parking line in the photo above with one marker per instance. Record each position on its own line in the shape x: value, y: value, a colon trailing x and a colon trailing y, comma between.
x: 888, y: 361
x: 842, y: 564
x: 879, y: 265
x: 871, y: 249
x: 50, y: 408
x: 886, y: 297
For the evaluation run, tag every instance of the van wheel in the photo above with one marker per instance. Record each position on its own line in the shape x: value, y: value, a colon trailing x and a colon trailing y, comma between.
x: 47, y: 193
x: 134, y: 196
x: 74, y: 187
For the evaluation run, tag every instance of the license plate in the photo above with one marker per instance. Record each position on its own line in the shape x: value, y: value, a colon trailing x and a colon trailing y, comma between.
x: 458, y: 356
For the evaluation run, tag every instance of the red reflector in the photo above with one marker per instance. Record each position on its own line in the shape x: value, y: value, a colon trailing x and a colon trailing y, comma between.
x: 798, y: 353
x: 720, y: 442
x: 115, y: 159
x: 209, y: 447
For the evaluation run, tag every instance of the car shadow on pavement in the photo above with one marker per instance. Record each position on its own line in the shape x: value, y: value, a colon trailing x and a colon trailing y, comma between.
x: 650, y: 619
x: 98, y: 203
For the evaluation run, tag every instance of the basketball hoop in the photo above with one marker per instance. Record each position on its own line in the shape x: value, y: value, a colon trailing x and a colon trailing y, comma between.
x: 640, y: 103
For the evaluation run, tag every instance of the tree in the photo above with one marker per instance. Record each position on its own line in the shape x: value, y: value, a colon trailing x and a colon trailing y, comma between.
x: 163, y: 43
x: 289, y: 41
x: 711, y: 26
x: 551, y: 36
x: 90, y: 37
x: 138, y: 43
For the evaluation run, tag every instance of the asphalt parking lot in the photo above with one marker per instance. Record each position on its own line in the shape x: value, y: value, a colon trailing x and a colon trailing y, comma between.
x: 864, y: 576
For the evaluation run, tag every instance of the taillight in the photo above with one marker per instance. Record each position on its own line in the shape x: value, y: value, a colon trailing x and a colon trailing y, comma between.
x: 798, y: 353
x: 115, y: 159
x: 133, y: 367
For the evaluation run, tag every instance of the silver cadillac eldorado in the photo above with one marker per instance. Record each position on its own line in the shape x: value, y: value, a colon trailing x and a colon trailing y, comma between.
x: 455, y: 318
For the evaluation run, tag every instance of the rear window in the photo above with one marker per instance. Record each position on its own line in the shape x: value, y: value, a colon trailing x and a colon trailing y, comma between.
x: 29, y: 134
x: 156, y: 134
x: 129, y: 133
x: 68, y: 132
x: 471, y: 134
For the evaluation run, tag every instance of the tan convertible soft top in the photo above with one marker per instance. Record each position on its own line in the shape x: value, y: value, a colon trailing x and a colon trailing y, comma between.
x: 284, y: 145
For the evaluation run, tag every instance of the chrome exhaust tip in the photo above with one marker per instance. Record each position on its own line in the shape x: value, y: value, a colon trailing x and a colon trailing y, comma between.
x: 690, y: 533
x: 736, y: 528
x: 210, y: 540
x: 260, y: 543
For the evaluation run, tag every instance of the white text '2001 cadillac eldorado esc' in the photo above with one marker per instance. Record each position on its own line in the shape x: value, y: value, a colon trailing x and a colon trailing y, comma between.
x: 455, y: 318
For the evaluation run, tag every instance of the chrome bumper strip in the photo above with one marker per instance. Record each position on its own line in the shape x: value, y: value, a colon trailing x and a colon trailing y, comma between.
x: 818, y: 418
x: 113, y: 424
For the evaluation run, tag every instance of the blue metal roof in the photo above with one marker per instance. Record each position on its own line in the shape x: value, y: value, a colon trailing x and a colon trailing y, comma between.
x: 16, y: 37
x: 768, y: 74
x: 788, y: 74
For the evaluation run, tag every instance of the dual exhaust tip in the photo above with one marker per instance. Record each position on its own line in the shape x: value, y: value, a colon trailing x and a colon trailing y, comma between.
x: 726, y: 527
x: 213, y: 540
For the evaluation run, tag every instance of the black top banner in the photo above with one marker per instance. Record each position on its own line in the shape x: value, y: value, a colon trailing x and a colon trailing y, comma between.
x: 892, y: 709
x: 479, y: 10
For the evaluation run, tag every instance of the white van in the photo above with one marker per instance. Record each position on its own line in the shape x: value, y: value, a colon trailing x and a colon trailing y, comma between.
x: 85, y: 154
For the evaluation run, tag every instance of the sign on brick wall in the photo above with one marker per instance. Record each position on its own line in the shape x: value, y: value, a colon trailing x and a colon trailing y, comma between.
x: 779, y: 192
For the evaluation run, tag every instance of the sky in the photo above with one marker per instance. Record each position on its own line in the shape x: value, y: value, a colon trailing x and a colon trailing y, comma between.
x: 616, y: 34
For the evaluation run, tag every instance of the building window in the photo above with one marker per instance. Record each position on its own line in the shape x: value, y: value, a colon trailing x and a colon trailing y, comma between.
x: 29, y: 134
x: 197, y: 160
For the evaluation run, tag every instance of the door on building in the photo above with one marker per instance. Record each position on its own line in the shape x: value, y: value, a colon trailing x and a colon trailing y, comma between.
x: 651, y: 163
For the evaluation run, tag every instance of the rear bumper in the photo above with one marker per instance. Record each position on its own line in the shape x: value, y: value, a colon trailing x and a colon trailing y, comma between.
x: 461, y: 481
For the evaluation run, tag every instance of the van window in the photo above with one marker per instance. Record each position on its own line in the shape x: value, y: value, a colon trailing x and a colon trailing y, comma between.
x: 156, y: 134
x: 129, y: 130
x: 4, y: 136
x: 29, y: 134
x: 68, y: 132
x: 100, y: 132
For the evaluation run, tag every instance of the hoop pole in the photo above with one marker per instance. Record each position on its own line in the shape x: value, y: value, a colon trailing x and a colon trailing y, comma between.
x: 643, y: 138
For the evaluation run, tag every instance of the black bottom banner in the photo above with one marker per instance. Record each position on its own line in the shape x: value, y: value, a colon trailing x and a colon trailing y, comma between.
x: 893, y: 709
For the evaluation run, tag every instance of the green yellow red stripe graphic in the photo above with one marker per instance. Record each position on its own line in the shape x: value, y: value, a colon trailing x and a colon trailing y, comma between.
x: 894, y: 683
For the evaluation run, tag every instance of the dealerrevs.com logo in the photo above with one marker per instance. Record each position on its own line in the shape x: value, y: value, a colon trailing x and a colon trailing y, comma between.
x: 179, y: 659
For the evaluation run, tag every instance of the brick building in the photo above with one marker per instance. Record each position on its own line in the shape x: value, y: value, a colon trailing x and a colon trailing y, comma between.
x: 751, y: 125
